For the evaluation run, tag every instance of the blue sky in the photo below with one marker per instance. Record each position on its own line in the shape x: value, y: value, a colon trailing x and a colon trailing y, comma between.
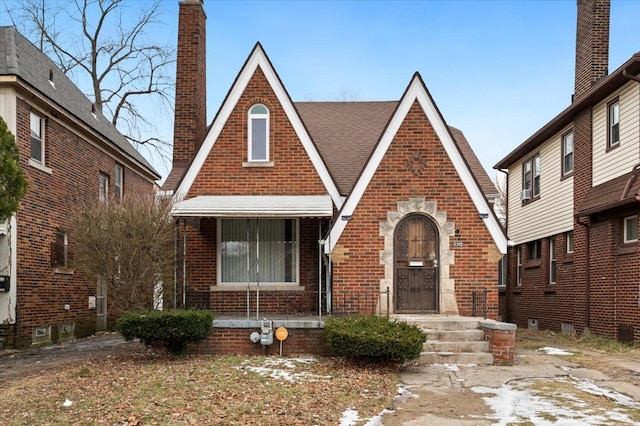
x: 498, y: 70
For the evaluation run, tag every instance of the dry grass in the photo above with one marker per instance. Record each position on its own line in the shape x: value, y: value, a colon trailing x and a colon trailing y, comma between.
x: 534, y: 339
x: 156, y: 389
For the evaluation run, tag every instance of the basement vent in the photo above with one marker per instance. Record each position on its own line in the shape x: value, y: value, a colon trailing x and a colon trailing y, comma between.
x: 567, y: 328
x: 66, y: 332
x: 625, y: 333
x: 41, y: 335
x: 532, y: 324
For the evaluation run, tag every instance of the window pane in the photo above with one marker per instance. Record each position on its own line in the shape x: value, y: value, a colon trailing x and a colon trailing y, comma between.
x: 259, y: 109
x: 552, y: 263
x: 614, y: 123
x: 570, y: 242
x: 264, y: 247
x: 568, y: 153
x: 234, y: 246
x: 36, y: 137
x: 536, y: 175
x: 526, y: 184
x: 631, y: 229
x: 259, y: 139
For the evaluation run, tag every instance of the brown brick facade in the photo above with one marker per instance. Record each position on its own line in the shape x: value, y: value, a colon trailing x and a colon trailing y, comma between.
x: 43, y: 291
x: 475, y: 265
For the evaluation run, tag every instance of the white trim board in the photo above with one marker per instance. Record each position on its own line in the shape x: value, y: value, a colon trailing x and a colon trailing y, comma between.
x: 256, y: 59
x: 418, y: 91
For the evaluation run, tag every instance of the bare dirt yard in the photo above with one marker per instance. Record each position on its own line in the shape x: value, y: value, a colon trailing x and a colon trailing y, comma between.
x: 555, y: 380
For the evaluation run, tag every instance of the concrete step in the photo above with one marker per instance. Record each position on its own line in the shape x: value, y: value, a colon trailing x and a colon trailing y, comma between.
x: 444, y: 346
x: 440, y: 323
x: 474, y: 335
x: 466, y: 358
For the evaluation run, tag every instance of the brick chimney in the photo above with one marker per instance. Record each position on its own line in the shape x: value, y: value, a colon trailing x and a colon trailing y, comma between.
x: 190, y: 123
x: 592, y: 44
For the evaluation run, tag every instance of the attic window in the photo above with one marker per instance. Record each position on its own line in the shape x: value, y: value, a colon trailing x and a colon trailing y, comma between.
x: 258, y: 143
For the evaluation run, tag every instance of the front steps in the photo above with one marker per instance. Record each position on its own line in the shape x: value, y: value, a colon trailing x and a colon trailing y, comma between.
x: 451, y: 340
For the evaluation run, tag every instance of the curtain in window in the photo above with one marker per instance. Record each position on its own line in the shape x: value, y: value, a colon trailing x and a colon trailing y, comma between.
x: 270, y: 245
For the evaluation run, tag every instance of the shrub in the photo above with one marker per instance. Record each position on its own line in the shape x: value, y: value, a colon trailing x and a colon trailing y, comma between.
x: 373, y: 337
x: 172, y: 329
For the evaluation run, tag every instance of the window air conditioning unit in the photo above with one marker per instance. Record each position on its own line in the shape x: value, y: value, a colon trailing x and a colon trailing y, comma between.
x: 525, y: 195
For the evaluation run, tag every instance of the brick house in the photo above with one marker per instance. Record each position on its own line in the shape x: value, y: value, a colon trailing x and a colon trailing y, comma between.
x: 573, y: 198
x: 307, y: 208
x: 68, y: 152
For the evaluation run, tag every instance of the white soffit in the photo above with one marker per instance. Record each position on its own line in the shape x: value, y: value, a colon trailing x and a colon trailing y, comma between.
x: 255, y: 206
x: 418, y: 91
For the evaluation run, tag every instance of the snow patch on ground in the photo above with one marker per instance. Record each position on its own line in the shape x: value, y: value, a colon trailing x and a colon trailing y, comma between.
x: 453, y: 367
x: 281, y: 369
x: 554, y: 351
x: 516, y: 402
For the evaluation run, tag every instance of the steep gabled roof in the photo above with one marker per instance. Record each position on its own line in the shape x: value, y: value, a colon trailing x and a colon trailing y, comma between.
x: 417, y: 91
x: 21, y: 58
x: 258, y: 59
x: 346, y: 134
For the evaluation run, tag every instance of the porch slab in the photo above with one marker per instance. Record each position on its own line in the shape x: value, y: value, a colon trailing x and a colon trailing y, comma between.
x: 303, y: 322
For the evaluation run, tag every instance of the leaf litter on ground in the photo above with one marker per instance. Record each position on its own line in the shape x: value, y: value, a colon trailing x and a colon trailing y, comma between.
x: 150, y: 387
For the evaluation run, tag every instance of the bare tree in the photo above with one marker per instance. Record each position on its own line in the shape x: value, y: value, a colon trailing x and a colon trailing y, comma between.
x: 129, y: 245
x: 105, y: 47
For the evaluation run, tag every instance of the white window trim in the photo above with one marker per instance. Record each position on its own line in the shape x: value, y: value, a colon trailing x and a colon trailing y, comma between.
x: 33, y: 114
x: 519, y: 266
x: 119, y: 183
x: 271, y: 285
x: 568, y: 250
x: 553, y: 261
x: 106, y: 188
x: 565, y: 153
x: 624, y: 229
x: 251, y: 116
x: 610, y: 123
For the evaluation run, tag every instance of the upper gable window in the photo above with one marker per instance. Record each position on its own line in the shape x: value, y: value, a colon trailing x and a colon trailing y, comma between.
x: 258, y: 133
x: 37, y: 138
x: 531, y: 178
x: 567, y: 153
x: 613, y: 124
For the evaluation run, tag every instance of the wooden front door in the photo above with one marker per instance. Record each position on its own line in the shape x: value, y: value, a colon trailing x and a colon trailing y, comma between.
x: 416, y: 265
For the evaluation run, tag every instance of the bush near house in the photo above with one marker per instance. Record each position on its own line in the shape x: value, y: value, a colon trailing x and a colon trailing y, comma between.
x: 173, y: 329
x: 373, y: 337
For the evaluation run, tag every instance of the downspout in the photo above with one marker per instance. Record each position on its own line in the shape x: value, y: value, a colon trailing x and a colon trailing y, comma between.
x: 507, y: 293
x: 176, y: 261
x: 257, y: 269
x: 587, y: 276
x: 320, y: 249
x: 184, y: 262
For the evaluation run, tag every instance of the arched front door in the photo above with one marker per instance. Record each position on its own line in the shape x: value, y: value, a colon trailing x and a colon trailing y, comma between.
x: 416, y: 265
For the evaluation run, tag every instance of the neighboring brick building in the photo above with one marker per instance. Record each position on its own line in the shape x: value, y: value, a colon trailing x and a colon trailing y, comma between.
x: 68, y: 153
x: 573, y: 194
x: 306, y: 207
